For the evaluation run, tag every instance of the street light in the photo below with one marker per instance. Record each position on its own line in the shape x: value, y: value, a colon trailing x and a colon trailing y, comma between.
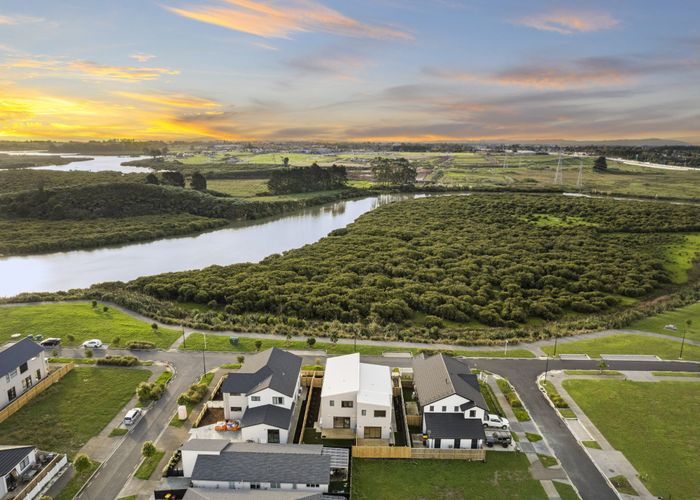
x: 685, y: 332
x: 546, y: 368
x: 204, y: 358
x: 556, y: 338
x: 505, y: 350
x: 184, y: 339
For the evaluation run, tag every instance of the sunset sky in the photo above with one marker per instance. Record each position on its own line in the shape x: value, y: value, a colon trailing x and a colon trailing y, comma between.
x: 390, y: 70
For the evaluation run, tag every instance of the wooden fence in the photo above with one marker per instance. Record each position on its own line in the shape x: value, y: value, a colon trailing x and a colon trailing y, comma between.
x: 404, y: 452
x: 37, y: 389
x: 414, y: 420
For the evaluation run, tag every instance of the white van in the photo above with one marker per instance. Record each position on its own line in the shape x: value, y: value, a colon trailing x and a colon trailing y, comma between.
x: 132, y: 416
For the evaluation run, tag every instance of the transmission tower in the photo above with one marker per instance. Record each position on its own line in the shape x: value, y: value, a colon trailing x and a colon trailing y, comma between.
x: 558, y: 177
x: 579, y: 181
x: 505, y: 159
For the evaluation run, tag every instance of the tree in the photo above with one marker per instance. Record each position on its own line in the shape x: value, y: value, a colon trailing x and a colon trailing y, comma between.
x: 397, y: 171
x: 105, y: 308
x: 89, y: 353
x: 600, y: 164
x: 240, y: 359
x: 311, y: 341
x: 81, y: 463
x: 334, y: 338
x: 258, y: 345
x: 152, y: 179
x: 173, y: 178
x: 602, y: 366
x: 148, y: 449
x: 154, y: 326
x: 198, y: 182
x: 94, y: 304
x: 285, y: 161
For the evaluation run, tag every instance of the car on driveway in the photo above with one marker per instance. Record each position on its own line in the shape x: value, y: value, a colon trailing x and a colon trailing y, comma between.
x: 132, y: 416
x: 491, y: 420
x: 499, y: 437
x: 50, y: 342
x: 92, y: 343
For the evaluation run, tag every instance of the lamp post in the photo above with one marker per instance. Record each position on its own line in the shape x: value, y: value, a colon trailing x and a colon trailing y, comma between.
x: 556, y: 338
x: 505, y: 349
x: 546, y: 368
x: 204, y: 357
x: 685, y: 332
x: 184, y: 339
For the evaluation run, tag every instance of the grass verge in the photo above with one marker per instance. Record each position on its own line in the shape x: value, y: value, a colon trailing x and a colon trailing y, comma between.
x: 547, y: 461
x: 591, y: 444
x: 513, y: 400
x: 148, y: 465
x: 533, y: 438
x: 76, y: 482
x: 676, y: 374
x: 627, y: 343
x: 118, y: 431
x: 592, y: 372
x: 622, y: 485
x: 565, y: 491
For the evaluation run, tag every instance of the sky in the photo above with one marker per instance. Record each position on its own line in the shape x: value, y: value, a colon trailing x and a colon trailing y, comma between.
x: 331, y: 70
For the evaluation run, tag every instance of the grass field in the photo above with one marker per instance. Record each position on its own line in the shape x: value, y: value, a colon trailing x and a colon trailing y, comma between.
x: 76, y: 482
x: 503, y: 475
x: 240, y: 188
x: 677, y: 317
x: 627, y: 343
x: 148, y: 466
x: 80, y: 320
x: 681, y: 257
x: 66, y: 415
x: 654, y: 424
x: 566, y: 491
x: 195, y: 342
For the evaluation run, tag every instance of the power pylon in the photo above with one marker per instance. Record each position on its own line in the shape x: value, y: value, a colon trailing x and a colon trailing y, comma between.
x: 558, y: 176
x: 579, y: 181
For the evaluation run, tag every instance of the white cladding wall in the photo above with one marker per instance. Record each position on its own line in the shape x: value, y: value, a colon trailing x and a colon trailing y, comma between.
x: 328, y: 412
x: 450, y: 443
x: 449, y: 404
x: 266, y: 396
x: 238, y: 401
x: 242, y: 485
x: 369, y: 420
x: 18, y: 380
x: 258, y: 433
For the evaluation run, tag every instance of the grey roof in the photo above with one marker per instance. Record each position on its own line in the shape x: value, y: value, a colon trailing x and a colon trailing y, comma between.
x: 205, y: 445
x: 15, y: 354
x: 263, y: 467
x: 275, y: 369
x: 453, y: 425
x: 440, y: 376
x: 10, y: 456
x: 240, y: 447
x: 276, y: 416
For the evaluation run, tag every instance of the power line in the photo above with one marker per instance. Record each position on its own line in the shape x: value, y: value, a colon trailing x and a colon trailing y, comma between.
x: 558, y: 176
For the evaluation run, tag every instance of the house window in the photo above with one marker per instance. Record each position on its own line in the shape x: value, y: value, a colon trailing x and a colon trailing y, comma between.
x: 11, y: 375
x: 456, y: 408
x: 24, y: 463
x: 364, y: 413
x: 236, y: 408
x: 331, y: 403
x: 255, y: 398
x: 311, y: 485
x: 277, y: 400
x: 380, y: 413
x: 38, y: 374
x: 23, y: 367
x: 273, y: 436
x: 432, y: 408
x: 254, y: 486
x: 472, y: 413
x: 275, y: 486
x: 444, y: 408
x: 346, y: 404
x: 11, y: 393
x: 27, y: 383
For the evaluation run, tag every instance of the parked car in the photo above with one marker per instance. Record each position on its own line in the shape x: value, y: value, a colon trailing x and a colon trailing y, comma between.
x: 491, y: 420
x: 132, y: 416
x: 673, y: 328
x: 51, y: 342
x: 92, y: 343
x: 499, y: 437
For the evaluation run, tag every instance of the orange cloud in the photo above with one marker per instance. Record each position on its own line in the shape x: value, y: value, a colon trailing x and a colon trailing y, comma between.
x: 171, y: 100
x: 266, y: 19
x: 90, y: 68
x: 141, y: 57
x: 570, y: 22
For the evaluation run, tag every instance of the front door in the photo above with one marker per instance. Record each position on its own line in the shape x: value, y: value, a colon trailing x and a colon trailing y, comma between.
x: 341, y: 422
x: 475, y: 444
x: 373, y: 432
x: 457, y: 443
x: 273, y: 436
x: 438, y: 443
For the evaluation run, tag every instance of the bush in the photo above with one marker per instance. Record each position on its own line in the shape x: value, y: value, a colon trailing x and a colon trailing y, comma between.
x: 140, y: 345
x: 194, y: 395
x: 81, y: 462
x: 148, y: 449
x: 89, y: 353
x: 118, y: 361
x: 116, y: 341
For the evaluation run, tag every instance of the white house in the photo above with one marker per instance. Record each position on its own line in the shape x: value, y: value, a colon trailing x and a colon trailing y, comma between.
x: 217, y: 463
x: 451, y: 400
x: 19, y: 465
x: 22, y: 365
x: 262, y: 395
x: 356, y: 396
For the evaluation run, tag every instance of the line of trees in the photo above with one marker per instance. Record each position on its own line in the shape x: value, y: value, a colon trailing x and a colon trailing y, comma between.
x: 307, y: 179
x: 397, y: 171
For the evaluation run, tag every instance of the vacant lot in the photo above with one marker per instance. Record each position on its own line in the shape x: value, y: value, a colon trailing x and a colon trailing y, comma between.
x: 627, y: 344
x: 504, y: 475
x: 65, y: 416
x: 80, y: 320
x: 654, y: 424
x: 195, y: 342
x: 678, y: 318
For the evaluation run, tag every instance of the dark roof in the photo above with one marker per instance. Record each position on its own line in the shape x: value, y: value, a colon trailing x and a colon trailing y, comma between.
x: 453, y: 425
x: 217, y: 445
x: 10, y: 456
x: 263, y: 467
x: 440, y: 376
x: 275, y: 369
x: 16, y: 354
x: 272, y: 415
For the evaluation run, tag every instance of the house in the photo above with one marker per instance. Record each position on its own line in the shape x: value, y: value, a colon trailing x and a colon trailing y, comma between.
x: 19, y: 469
x: 22, y: 365
x: 262, y: 395
x: 218, y: 463
x: 356, y: 396
x: 450, y: 397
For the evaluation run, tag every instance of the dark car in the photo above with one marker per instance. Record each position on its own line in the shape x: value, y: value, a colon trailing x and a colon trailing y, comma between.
x: 50, y: 342
x: 502, y: 438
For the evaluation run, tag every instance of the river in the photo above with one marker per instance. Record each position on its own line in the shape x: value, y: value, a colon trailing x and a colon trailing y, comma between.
x: 241, y: 242
x: 94, y: 164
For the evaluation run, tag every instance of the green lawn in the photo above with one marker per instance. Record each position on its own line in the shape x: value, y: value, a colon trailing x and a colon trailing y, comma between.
x: 566, y: 491
x: 195, y: 342
x: 654, y: 424
x: 77, y: 407
x: 148, y: 466
x: 676, y: 374
x: 626, y: 343
x: 677, y: 317
x: 76, y: 482
x: 591, y: 444
x: 503, y: 475
x: 533, y: 438
x: 681, y: 257
x: 547, y: 461
x: 80, y: 320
